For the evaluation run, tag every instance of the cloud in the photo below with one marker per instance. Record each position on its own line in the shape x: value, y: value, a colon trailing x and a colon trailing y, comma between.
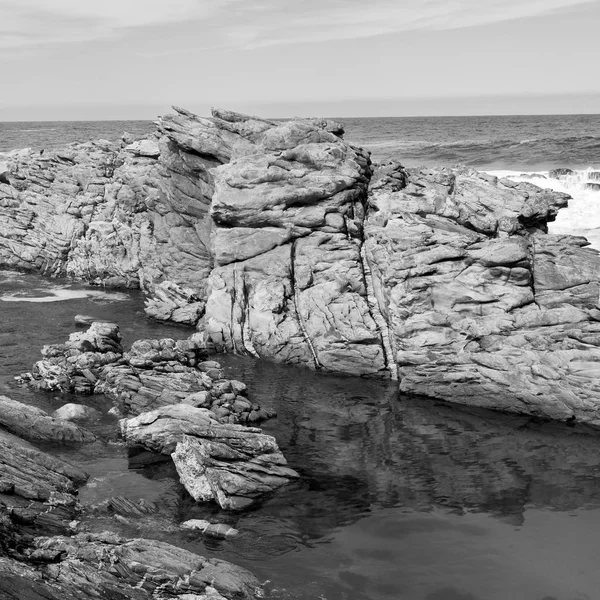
x: 253, y: 24
x: 35, y: 22
x: 281, y: 22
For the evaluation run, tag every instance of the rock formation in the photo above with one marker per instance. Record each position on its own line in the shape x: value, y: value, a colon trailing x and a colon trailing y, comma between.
x: 152, y: 374
x: 40, y: 558
x: 34, y: 424
x: 290, y: 246
x: 230, y: 464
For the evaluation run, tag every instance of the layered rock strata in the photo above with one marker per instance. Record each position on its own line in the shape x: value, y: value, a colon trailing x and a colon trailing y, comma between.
x: 152, y: 374
x: 40, y: 558
x: 233, y: 465
x: 294, y: 249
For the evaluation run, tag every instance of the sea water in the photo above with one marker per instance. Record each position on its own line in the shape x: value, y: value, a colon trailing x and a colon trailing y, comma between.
x: 508, y: 145
x: 400, y: 498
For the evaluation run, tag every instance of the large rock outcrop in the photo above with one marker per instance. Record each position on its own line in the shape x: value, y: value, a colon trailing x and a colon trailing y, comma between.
x: 294, y: 249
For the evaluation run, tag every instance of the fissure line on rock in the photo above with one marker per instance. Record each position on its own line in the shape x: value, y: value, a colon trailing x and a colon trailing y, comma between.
x: 296, y: 296
x: 246, y: 332
x: 533, y: 273
x: 374, y: 309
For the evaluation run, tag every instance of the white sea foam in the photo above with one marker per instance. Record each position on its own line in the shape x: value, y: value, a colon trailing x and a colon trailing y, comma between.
x: 60, y: 294
x: 582, y: 216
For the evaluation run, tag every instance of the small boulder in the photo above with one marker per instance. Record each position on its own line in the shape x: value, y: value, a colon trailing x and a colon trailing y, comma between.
x: 75, y: 412
x: 34, y: 424
x: 560, y: 173
x: 594, y: 187
x: 84, y: 320
x: 217, y: 530
x: 199, y: 400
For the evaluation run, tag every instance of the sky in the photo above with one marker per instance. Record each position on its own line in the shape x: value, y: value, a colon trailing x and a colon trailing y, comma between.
x: 133, y: 59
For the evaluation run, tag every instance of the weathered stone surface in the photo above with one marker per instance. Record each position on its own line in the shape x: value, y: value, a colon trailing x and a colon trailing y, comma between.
x: 153, y: 373
x: 74, y: 367
x: 38, y: 495
x: 483, y: 306
x: 105, y: 566
x: 232, y: 470
x: 295, y: 250
x: 231, y: 464
x: 34, y: 424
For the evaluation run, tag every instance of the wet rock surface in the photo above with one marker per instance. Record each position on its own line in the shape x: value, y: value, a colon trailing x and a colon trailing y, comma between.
x: 40, y: 558
x: 152, y: 374
x: 34, y: 424
x: 230, y: 464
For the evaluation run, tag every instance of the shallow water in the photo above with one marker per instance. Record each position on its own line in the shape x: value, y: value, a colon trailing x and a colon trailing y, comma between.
x: 400, y: 498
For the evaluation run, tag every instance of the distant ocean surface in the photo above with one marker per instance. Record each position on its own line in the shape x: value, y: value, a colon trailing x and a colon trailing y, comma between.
x: 521, y: 147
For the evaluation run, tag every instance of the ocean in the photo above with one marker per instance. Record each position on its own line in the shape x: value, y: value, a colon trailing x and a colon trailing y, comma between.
x: 524, y: 148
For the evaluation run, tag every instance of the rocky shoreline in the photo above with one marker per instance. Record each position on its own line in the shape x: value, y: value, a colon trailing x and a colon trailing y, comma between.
x: 46, y: 554
x: 280, y: 240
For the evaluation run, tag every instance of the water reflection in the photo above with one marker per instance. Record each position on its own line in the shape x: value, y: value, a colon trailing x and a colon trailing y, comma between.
x: 411, y: 498
x: 351, y: 434
x: 401, y: 498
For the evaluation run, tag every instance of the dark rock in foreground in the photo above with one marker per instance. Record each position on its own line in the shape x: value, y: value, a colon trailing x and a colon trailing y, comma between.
x: 38, y: 497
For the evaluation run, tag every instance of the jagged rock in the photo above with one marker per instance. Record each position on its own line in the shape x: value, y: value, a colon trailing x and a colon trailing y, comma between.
x: 153, y: 373
x: 104, y: 565
x: 38, y: 495
x: 560, y: 173
x: 294, y: 249
x: 231, y: 464
x: 34, y: 424
x: 234, y: 472
x: 158, y: 373
x: 483, y: 307
x: 38, y: 492
x: 74, y: 366
x: 144, y: 148
x: 594, y: 187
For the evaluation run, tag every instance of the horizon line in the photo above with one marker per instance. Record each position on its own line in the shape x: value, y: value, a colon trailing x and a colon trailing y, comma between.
x: 334, y: 117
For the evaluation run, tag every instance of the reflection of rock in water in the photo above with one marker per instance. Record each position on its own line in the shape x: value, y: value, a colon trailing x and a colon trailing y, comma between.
x: 358, y: 448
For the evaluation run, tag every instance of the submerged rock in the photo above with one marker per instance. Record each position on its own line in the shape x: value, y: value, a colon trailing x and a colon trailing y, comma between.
x: 218, y: 530
x: 34, y: 424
